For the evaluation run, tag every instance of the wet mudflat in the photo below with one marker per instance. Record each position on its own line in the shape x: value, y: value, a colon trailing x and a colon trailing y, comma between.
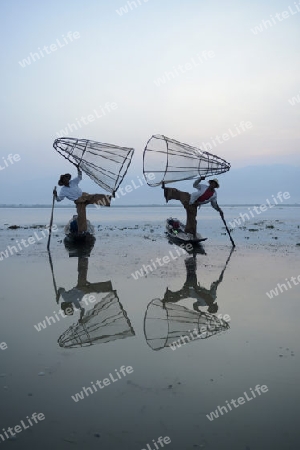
x: 148, y: 355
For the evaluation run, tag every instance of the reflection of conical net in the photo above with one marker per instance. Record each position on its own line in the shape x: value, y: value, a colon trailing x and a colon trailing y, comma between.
x: 106, y: 322
x: 171, y: 160
x: 166, y: 323
x: 106, y: 164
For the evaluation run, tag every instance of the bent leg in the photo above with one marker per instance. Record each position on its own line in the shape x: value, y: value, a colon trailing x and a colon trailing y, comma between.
x: 98, y: 199
x: 176, y: 194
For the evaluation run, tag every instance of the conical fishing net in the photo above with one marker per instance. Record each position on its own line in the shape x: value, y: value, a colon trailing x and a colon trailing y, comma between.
x: 105, y: 164
x: 107, y: 321
x: 171, y: 161
x: 166, y: 323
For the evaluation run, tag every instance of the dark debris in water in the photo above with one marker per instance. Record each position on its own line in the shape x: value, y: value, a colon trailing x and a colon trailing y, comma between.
x: 15, y: 227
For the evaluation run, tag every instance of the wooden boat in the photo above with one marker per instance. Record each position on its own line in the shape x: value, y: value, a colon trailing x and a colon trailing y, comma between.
x: 79, y: 242
x: 175, y: 230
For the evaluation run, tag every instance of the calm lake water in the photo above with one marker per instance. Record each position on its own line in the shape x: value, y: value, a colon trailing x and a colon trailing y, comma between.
x: 106, y: 377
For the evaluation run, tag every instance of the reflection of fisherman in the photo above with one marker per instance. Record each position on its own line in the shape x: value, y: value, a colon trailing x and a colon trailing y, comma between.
x: 192, y: 289
x: 106, y: 321
x: 72, y: 298
x: 204, y: 194
x: 72, y: 191
x: 168, y: 324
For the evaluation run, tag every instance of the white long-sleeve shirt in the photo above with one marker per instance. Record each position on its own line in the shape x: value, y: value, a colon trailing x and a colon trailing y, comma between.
x: 201, y: 188
x: 71, y: 192
x: 74, y: 296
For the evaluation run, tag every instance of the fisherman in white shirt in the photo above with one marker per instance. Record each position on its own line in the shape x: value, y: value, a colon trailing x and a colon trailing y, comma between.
x: 72, y: 299
x: 72, y: 191
x: 206, y: 193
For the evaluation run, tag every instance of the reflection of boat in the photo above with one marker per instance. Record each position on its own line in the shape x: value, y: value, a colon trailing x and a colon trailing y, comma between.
x: 79, y: 244
x: 166, y: 322
x: 107, y: 321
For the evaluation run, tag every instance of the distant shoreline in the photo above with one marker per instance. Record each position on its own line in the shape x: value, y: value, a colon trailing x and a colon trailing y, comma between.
x: 141, y: 206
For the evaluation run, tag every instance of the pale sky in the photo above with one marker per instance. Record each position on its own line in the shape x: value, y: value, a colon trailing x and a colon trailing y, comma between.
x: 220, y: 73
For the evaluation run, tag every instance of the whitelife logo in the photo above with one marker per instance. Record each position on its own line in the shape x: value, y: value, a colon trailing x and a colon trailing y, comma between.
x: 236, y: 130
x: 9, y: 160
x: 274, y: 292
x: 47, y: 50
x: 241, y: 401
x: 86, y: 120
x: 68, y: 311
x: 128, y: 188
x: 102, y: 384
x: 36, y: 417
x: 259, y: 209
x: 161, y: 441
x: 294, y: 100
x: 132, y: 5
x: 3, y: 345
x: 279, y: 17
x: 204, y: 330
x: 148, y: 268
x: 185, y: 67
x: 12, y: 249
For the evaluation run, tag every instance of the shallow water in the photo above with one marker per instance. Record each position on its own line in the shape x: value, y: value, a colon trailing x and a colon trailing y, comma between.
x: 169, y: 392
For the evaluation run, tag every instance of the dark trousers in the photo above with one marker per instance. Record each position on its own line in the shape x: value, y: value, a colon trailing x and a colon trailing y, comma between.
x: 191, y: 210
x: 88, y: 199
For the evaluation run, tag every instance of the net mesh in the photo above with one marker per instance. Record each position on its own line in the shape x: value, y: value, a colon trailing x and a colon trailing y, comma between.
x: 165, y: 324
x: 107, y: 321
x: 170, y: 161
x: 105, y: 164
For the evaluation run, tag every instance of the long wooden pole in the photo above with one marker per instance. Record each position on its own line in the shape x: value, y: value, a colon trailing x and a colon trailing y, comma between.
x: 233, y: 244
x: 53, y: 277
x: 51, y: 220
